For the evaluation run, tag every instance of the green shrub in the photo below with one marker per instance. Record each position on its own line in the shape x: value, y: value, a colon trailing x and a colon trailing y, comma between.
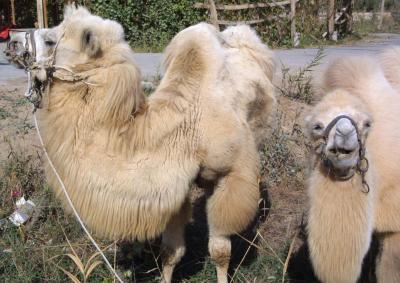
x: 149, y: 24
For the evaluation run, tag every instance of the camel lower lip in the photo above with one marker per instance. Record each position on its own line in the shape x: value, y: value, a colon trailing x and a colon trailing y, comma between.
x: 342, y: 156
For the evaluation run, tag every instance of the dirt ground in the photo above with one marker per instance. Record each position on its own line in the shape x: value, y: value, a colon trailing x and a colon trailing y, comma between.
x: 16, y: 124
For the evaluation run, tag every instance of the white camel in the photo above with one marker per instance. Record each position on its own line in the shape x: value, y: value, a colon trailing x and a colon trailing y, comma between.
x: 354, y: 185
x: 127, y: 161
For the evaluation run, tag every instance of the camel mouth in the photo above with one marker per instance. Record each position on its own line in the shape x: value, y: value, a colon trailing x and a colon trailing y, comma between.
x: 341, y: 161
x: 341, y: 169
x: 341, y: 152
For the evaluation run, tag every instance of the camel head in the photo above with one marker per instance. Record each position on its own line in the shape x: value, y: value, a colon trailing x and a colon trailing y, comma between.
x: 84, y: 37
x: 91, y: 53
x: 40, y: 46
x: 338, y: 127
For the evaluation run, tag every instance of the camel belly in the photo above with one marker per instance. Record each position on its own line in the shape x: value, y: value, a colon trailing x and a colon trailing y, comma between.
x: 133, y: 199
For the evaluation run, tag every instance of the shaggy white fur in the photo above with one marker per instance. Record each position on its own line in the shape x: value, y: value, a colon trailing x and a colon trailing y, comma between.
x: 341, y: 216
x: 128, y: 162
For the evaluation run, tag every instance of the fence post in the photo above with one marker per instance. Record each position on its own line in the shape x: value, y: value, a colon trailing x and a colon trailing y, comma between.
x: 331, y: 18
x: 293, y: 21
x: 46, y: 21
x: 13, y: 13
x: 40, y: 18
x: 382, y: 12
x: 213, y: 14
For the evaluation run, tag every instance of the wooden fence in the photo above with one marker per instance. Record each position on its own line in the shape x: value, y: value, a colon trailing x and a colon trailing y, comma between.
x: 338, y: 18
x: 213, y: 9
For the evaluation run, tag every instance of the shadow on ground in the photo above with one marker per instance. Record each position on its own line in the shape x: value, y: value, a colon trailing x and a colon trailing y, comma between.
x: 144, y: 263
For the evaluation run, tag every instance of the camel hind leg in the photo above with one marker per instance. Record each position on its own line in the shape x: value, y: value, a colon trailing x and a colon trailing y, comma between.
x: 231, y: 209
x: 173, y: 241
x: 388, y: 265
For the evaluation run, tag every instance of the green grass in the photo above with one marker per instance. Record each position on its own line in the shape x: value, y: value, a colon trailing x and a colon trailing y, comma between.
x: 4, y: 114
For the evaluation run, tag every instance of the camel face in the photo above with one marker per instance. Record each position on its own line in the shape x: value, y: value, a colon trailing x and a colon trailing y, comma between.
x: 45, y: 41
x: 338, y: 132
x: 84, y: 37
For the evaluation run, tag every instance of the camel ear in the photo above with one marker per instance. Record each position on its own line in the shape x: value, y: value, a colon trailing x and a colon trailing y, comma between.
x: 90, y: 43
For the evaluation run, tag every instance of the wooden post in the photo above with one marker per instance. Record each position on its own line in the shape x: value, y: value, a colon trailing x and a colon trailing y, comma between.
x: 40, y: 17
x: 293, y: 20
x: 213, y: 14
x: 46, y: 21
x: 331, y: 18
x: 382, y: 12
x: 13, y: 13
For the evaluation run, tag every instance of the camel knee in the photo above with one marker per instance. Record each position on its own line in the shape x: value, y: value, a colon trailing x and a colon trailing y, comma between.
x: 173, y: 242
x: 220, y: 252
x: 388, y: 264
x: 170, y: 256
x: 172, y: 250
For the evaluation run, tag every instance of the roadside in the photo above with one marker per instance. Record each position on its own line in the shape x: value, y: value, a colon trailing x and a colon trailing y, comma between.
x: 150, y: 63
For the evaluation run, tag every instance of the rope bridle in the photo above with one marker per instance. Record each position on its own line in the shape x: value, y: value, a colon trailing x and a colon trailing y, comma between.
x: 362, y: 165
x: 37, y: 88
x: 26, y: 58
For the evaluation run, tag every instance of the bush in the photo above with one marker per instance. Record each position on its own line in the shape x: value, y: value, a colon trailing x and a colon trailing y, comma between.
x: 149, y: 24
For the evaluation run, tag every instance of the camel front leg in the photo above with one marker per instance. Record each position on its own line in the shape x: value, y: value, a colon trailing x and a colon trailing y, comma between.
x: 388, y: 265
x: 220, y: 252
x: 173, y: 242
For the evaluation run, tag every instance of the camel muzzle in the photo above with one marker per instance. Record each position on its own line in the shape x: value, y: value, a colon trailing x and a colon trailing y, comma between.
x: 343, y: 152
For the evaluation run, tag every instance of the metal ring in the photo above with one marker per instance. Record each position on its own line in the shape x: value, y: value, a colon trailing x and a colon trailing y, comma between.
x: 360, y: 167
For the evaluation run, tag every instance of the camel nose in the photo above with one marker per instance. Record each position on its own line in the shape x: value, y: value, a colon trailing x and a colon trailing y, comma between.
x: 345, y: 128
x: 345, y: 136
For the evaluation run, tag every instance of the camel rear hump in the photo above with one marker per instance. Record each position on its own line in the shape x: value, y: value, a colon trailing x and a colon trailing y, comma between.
x: 192, y: 56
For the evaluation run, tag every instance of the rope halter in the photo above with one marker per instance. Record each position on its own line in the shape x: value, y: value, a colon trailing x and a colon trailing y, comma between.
x: 47, y: 70
x: 362, y: 165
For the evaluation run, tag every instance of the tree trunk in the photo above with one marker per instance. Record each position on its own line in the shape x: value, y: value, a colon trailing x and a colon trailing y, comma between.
x: 46, y: 22
x: 40, y: 17
x: 293, y: 20
x: 13, y: 22
x: 331, y: 18
x: 382, y: 12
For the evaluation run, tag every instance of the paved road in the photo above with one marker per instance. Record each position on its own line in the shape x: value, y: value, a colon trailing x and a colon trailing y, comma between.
x: 149, y: 63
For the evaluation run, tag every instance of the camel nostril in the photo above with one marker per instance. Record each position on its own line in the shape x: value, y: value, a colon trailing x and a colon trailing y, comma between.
x: 336, y: 150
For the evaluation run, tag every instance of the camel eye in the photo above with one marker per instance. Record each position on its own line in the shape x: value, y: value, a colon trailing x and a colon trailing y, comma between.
x: 49, y: 42
x: 317, y: 127
x: 367, y: 124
